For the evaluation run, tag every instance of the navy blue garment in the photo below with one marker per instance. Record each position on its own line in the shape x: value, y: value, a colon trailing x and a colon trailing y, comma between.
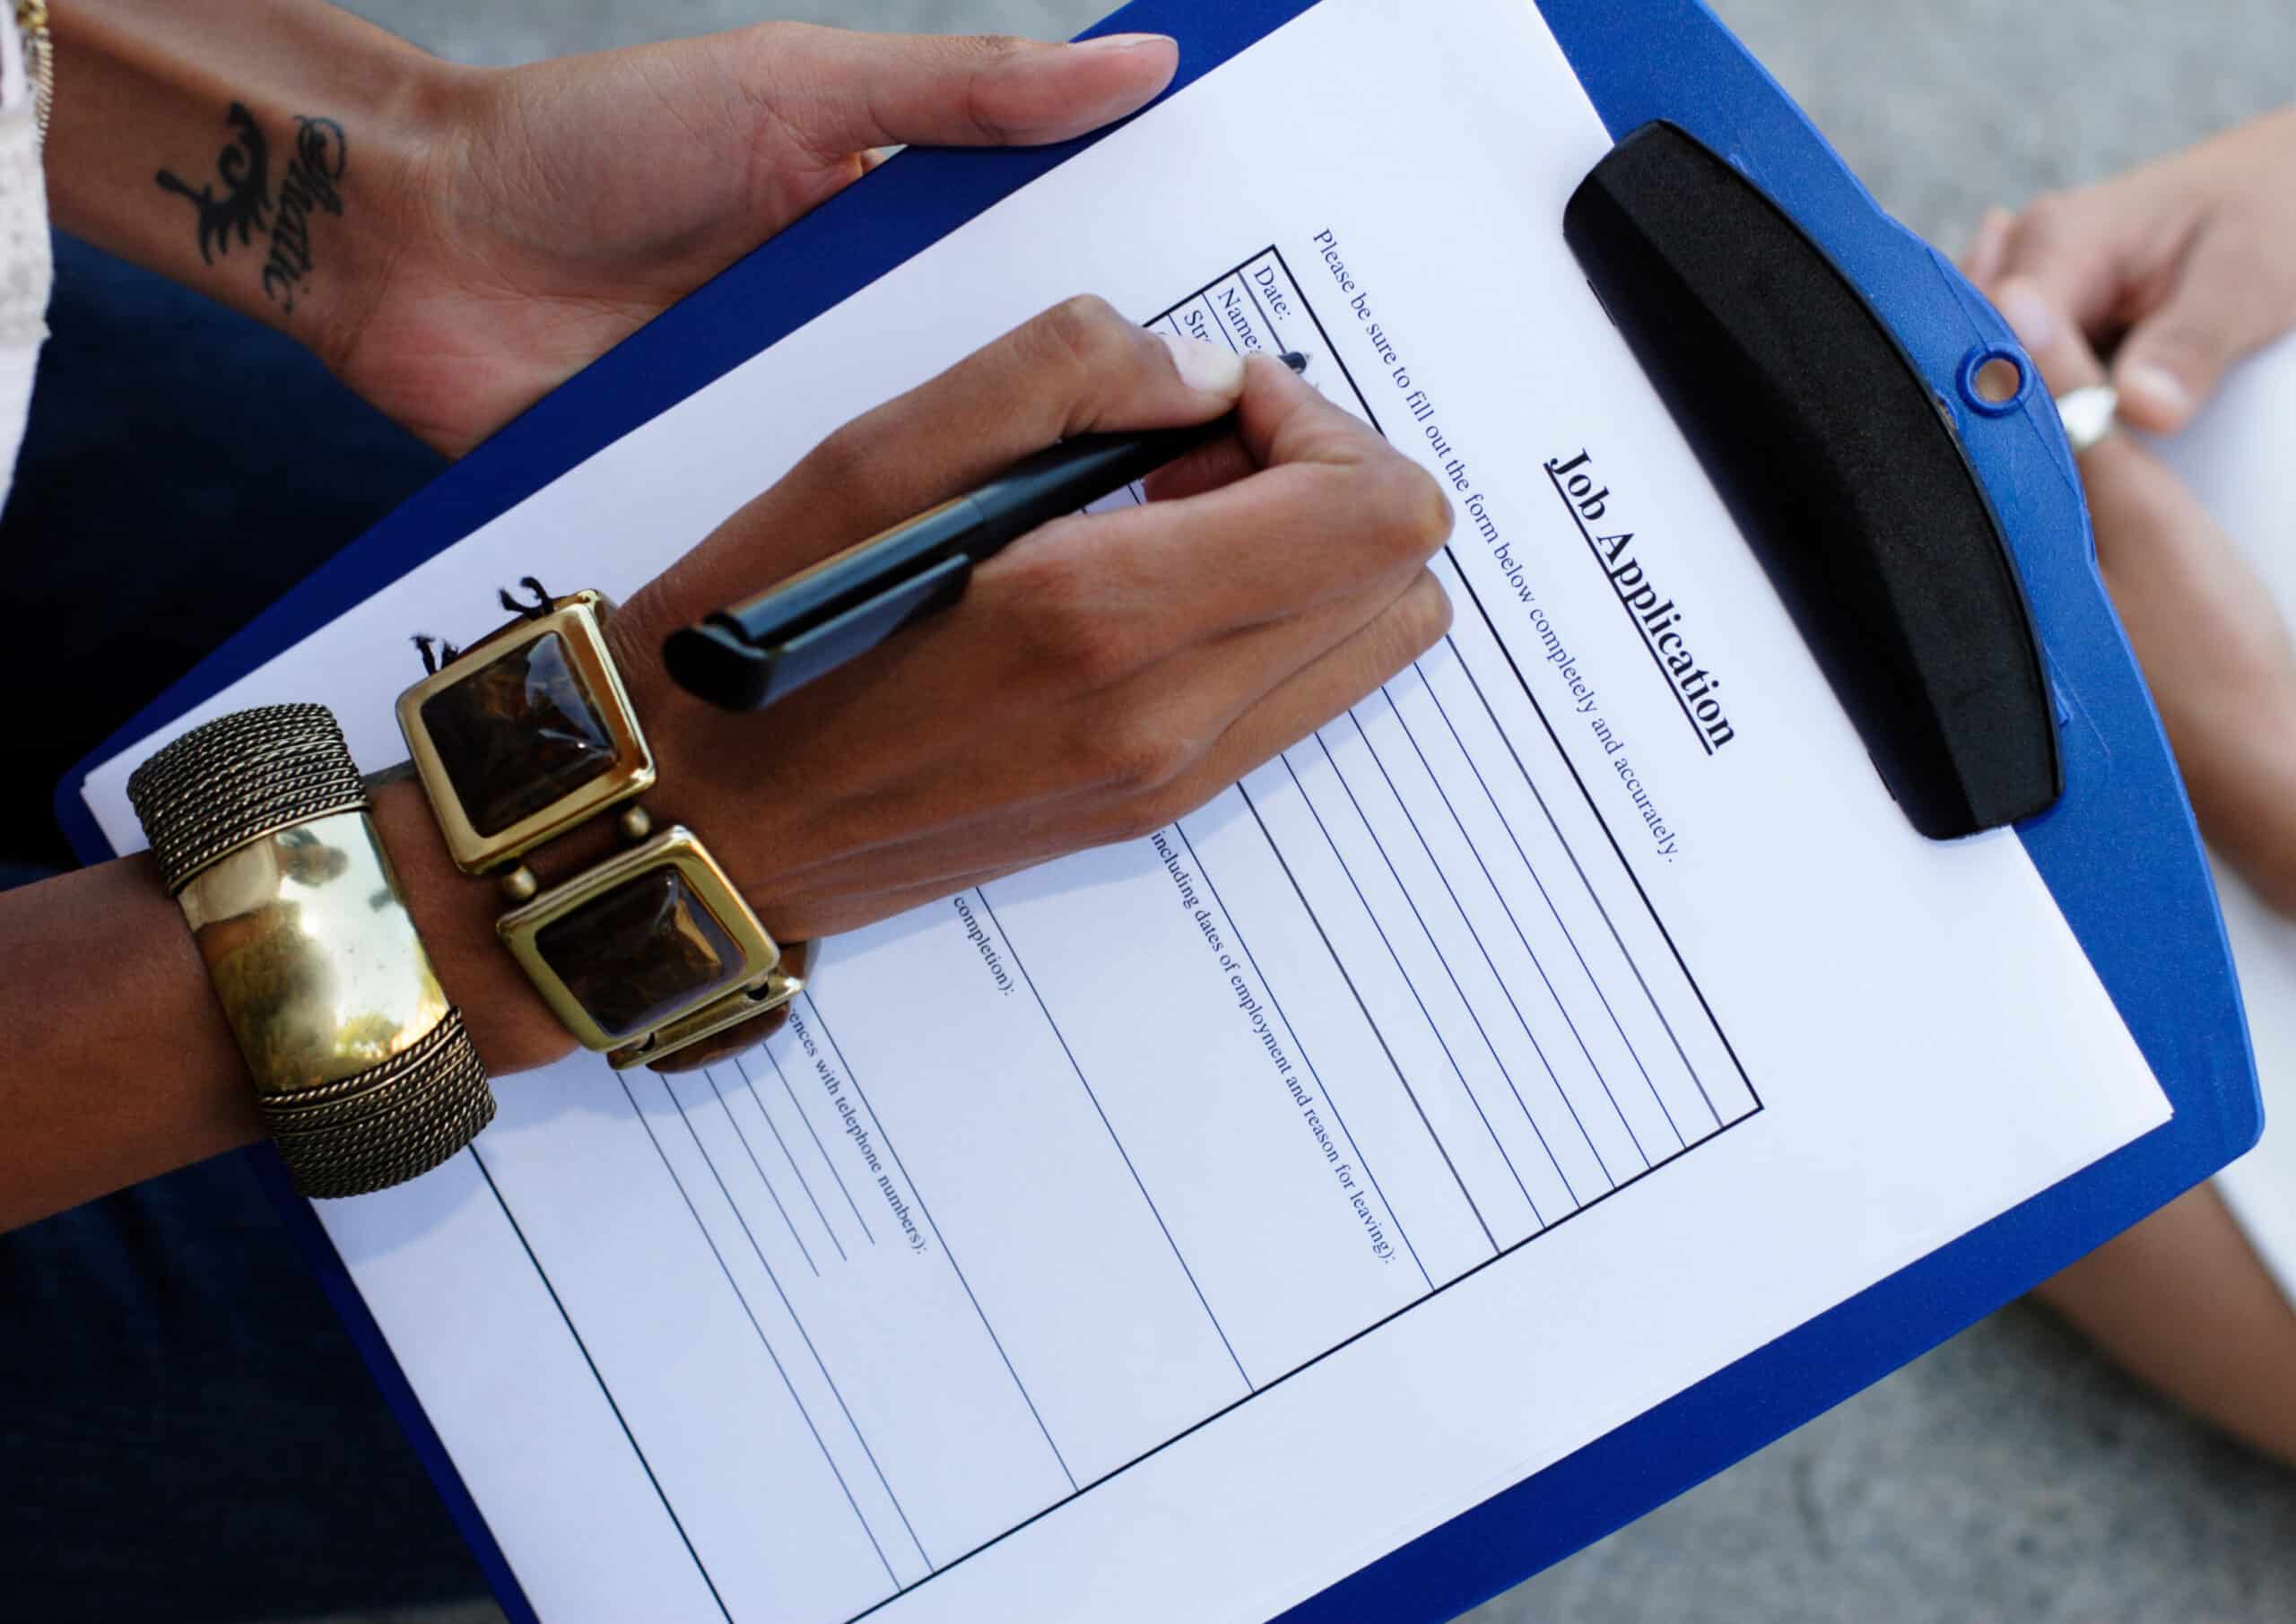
x: 184, y: 468
x: 186, y: 1432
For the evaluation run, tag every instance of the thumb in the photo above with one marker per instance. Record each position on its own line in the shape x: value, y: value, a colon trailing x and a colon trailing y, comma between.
x: 2221, y: 303
x: 838, y: 91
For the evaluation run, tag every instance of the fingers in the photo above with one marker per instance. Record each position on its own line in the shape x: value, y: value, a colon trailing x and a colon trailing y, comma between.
x: 1096, y: 676
x: 2229, y: 294
x: 1168, y: 742
x: 1988, y: 247
x: 837, y: 92
x: 2049, y: 335
x: 1324, y: 689
x: 1283, y: 419
x: 1224, y: 462
x: 1144, y: 643
x: 2081, y: 249
x: 1117, y: 647
x: 1230, y: 457
x: 1330, y: 512
x: 2140, y: 510
x: 2067, y: 363
x: 2081, y: 274
x: 1309, y: 699
x: 1168, y: 722
x: 2188, y: 282
x: 1079, y: 367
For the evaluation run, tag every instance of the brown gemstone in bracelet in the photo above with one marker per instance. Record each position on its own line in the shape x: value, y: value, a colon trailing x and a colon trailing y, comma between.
x: 526, y: 736
x: 519, y: 733
x: 641, y: 952
x: 644, y: 943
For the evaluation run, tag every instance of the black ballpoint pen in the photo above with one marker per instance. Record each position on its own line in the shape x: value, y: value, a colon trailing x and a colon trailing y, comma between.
x: 750, y: 654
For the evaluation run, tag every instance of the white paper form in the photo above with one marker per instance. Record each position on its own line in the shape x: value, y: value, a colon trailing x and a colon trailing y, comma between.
x: 1170, y: 1230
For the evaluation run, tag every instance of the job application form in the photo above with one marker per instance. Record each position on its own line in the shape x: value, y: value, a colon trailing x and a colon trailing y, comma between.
x: 1171, y: 1229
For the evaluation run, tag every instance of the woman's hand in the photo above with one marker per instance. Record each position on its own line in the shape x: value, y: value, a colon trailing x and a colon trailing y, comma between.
x: 560, y: 206
x: 1100, y: 677
x: 2215, y: 649
x: 455, y: 241
x: 2175, y: 270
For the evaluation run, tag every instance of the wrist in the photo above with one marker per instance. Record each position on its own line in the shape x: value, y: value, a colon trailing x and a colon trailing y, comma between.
x: 277, y: 166
x: 2237, y: 754
x: 390, y: 194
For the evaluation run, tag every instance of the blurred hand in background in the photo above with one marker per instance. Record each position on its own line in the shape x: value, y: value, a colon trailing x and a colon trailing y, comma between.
x: 2215, y: 649
x: 2175, y: 270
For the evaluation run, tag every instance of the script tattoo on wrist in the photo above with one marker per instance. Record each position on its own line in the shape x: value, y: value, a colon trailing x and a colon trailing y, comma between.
x: 248, y: 206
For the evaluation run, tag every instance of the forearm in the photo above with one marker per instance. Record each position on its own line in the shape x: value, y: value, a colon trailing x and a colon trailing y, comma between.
x: 2216, y: 654
x: 2233, y: 728
x: 2239, y: 767
x: 116, y: 1063
x: 119, y: 1065
x: 266, y: 152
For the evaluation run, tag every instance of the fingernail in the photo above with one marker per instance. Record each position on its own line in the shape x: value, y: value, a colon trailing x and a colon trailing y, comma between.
x: 2028, y: 315
x: 2159, y: 385
x: 1123, y: 42
x: 1214, y: 369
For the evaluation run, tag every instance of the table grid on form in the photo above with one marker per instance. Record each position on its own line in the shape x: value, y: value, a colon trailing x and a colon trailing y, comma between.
x: 1457, y: 902
x: 1435, y: 1017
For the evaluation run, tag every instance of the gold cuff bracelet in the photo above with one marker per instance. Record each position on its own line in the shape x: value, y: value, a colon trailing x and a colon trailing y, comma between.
x: 362, y: 1070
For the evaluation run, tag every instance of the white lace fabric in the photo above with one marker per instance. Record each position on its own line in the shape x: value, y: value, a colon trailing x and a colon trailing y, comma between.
x: 27, y: 261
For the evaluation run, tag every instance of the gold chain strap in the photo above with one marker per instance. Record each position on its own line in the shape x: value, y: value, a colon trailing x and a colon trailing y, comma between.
x: 39, y: 60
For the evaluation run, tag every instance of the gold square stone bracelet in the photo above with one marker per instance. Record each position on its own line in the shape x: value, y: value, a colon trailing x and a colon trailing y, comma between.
x: 530, y: 733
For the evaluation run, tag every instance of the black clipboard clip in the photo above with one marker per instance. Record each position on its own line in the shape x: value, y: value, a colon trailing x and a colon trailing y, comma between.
x: 1843, y: 469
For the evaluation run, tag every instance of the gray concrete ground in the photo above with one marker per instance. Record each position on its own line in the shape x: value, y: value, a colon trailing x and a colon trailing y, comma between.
x: 2010, y: 1475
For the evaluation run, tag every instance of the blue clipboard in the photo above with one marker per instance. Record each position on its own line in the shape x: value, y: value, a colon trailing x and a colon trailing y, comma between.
x: 2119, y: 847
